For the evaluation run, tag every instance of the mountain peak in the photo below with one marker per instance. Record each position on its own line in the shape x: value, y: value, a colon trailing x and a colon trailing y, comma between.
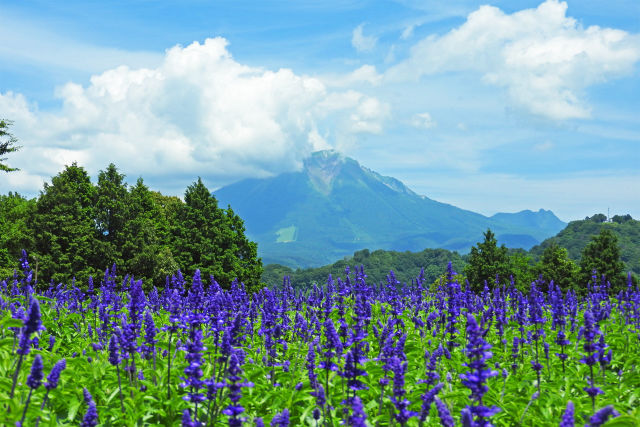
x: 323, y: 167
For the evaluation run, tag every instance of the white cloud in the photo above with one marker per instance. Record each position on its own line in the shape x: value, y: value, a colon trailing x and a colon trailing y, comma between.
x: 407, y: 32
x: 361, y: 42
x: 423, y: 120
x: 365, y: 74
x: 199, y: 112
x: 543, y: 58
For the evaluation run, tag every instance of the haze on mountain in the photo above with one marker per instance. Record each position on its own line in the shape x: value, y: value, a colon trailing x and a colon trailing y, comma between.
x: 334, y: 206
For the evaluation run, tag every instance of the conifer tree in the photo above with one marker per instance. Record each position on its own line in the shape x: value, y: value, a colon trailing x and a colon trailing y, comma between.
x: 65, y: 227
x: 556, y: 265
x: 487, y: 261
x: 602, y: 254
x: 7, y: 144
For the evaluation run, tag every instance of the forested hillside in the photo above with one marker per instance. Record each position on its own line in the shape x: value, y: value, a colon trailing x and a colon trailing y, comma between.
x: 75, y: 228
x: 611, y: 247
x: 577, y: 235
x: 377, y: 265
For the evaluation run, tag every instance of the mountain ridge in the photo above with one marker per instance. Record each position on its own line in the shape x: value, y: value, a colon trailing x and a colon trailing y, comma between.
x: 335, y: 206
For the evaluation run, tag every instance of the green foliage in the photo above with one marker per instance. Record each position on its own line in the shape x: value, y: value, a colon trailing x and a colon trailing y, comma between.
x: 602, y: 255
x: 488, y: 262
x: 578, y: 234
x: 65, y: 232
x: 7, y: 144
x: 16, y: 232
x: 521, y: 269
x: 213, y: 240
x: 405, y: 265
x: 78, y: 229
x: 555, y: 265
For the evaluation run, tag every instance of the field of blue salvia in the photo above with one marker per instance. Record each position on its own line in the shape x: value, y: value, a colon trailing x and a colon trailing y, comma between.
x: 349, y: 352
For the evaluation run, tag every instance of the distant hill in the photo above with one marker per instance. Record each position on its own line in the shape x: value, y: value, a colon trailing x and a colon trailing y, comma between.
x: 377, y: 265
x: 335, y: 206
x: 577, y: 235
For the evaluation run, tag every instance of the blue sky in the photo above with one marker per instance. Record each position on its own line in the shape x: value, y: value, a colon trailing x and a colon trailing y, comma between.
x: 493, y: 107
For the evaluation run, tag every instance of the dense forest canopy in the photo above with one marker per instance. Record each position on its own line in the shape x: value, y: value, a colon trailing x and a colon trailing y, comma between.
x: 76, y: 228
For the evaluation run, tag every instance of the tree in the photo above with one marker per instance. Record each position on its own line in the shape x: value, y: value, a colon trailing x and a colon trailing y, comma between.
x: 556, y: 265
x: 602, y: 254
x: 7, y: 144
x: 521, y: 269
x: 110, y: 209
x: 487, y: 262
x: 213, y: 240
x: 145, y: 243
x: 16, y: 232
x: 66, y: 234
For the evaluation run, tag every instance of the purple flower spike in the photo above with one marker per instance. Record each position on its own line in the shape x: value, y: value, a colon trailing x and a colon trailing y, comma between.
x: 35, y: 377
x: 602, y: 416
x: 54, y: 375
x: 445, y: 415
x: 91, y: 416
x: 281, y: 419
x: 567, y: 417
x: 34, y: 321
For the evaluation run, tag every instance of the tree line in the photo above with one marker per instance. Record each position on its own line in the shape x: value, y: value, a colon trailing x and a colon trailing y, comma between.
x: 75, y: 228
x: 487, y: 261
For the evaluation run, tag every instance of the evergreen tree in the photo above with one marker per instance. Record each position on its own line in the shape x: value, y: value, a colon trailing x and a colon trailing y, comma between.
x: 487, y: 262
x: 7, y: 144
x: 213, y: 240
x: 145, y: 248
x: 521, y: 269
x: 65, y: 228
x: 110, y: 211
x: 602, y: 254
x: 556, y: 265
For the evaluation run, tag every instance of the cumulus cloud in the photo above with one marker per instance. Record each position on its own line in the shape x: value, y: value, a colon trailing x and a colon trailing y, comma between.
x: 543, y: 58
x: 200, y: 112
x: 361, y: 42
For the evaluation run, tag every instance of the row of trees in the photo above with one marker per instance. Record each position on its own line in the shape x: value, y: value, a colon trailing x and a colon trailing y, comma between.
x: 78, y: 229
x: 488, y: 261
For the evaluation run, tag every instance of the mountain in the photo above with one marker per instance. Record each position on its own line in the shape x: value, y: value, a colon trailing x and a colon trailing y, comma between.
x: 335, y: 206
x: 578, y: 234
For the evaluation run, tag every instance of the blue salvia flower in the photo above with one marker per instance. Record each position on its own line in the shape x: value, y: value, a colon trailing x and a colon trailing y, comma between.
x: 91, y: 416
x: 590, y: 358
x: 115, y: 359
x: 193, y: 371
x: 32, y: 324
x: 402, y: 414
x: 281, y: 419
x: 54, y: 375
x: 443, y: 412
x: 235, y: 389
x: 34, y: 380
x: 187, y: 421
x: 602, y: 416
x: 150, y: 335
x: 427, y: 399
x: 358, y: 417
x: 478, y: 352
x: 567, y: 418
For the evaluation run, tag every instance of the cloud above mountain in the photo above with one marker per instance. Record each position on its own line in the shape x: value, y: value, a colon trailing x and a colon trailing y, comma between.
x: 200, y: 112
